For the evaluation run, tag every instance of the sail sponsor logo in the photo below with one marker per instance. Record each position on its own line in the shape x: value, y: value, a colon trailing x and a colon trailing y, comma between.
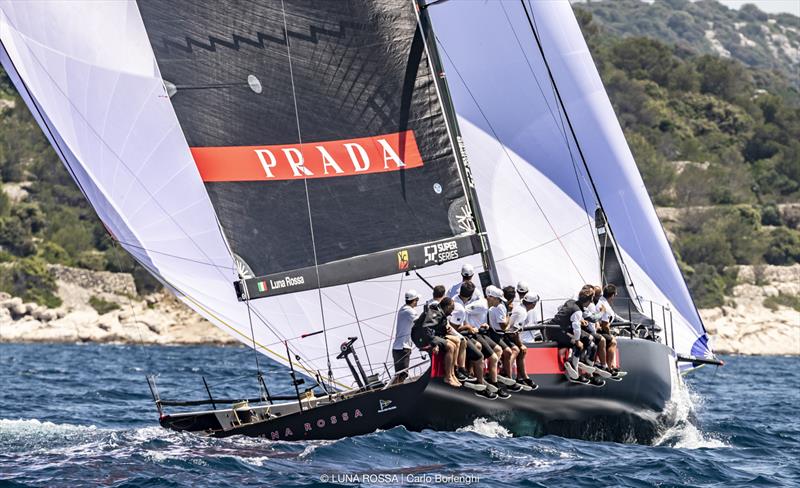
x: 287, y: 282
x: 366, y: 155
x: 402, y: 260
x: 441, y: 252
x: 319, y: 423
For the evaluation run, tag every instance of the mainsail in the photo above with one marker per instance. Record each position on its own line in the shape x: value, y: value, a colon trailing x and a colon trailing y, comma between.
x: 319, y: 134
x: 144, y: 147
x: 519, y: 140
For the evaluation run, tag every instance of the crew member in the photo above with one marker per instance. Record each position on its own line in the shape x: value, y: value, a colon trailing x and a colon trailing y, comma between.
x: 498, y: 323
x: 467, y: 271
x: 516, y: 320
x: 457, y: 320
x: 401, y: 349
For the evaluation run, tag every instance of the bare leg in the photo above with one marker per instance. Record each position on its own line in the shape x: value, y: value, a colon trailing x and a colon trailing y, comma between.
x: 477, y: 370
x: 512, y: 360
x: 449, y: 362
x: 462, y: 353
x: 493, y: 368
x: 601, y: 351
x: 612, y: 354
x: 506, y: 360
x: 521, y: 373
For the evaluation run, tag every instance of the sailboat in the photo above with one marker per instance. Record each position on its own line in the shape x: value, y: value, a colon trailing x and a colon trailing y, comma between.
x: 289, y: 168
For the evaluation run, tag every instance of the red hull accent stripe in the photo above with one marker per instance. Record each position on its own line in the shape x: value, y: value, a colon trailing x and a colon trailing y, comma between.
x: 543, y: 360
x: 376, y: 154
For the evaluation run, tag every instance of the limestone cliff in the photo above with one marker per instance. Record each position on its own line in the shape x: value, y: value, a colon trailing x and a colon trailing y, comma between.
x: 157, y: 319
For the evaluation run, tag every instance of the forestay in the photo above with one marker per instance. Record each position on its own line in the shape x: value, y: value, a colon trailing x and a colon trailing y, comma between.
x: 533, y: 188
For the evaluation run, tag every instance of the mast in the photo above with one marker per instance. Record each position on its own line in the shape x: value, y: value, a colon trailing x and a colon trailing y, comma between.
x: 455, y: 137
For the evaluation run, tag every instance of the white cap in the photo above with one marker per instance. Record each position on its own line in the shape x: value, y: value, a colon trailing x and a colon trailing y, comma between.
x: 522, y: 287
x: 493, y: 291
x: 467, y: 270
x: 530, y: 298
x: 412, y: 295
x: 458, y: 315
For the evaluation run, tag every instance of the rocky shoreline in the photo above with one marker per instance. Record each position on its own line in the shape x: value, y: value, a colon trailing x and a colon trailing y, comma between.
x: 158, y: 318
x: 744, y: 325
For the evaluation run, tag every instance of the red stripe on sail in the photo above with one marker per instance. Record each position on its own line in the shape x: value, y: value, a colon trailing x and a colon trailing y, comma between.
x: 376, y: 154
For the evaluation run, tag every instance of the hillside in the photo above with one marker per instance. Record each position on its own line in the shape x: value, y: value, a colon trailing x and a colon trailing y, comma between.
x: 756, y: 39
x: 715, y: 136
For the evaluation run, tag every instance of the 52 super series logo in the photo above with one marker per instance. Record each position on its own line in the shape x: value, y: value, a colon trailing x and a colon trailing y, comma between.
x: 441, y: 252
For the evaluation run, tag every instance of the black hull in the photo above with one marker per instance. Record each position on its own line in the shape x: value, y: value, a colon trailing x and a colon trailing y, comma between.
x: 629, y: 410
x: 360, y: 414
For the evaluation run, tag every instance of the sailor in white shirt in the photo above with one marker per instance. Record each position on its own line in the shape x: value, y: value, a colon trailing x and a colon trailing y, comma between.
x: 516, y: 319
x: 498, y: 324
x: 533, y: 317
x: 401, y: 349
x: 467, y: 272
x: 606, y: 317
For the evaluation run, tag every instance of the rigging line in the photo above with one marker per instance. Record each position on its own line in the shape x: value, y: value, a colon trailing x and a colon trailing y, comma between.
x: 133, y: 311
x: 511, y: 160
x: 339, y: 327
x: 196, y: 261
x: 308, y: 198
x: 534, y: 30
x: 563, y: 130
x: 510, y: 256
x: 253, y: 336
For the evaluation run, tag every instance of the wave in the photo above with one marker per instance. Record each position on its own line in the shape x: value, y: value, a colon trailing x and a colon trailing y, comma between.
x: 682, y: 431
x: 487, y: 428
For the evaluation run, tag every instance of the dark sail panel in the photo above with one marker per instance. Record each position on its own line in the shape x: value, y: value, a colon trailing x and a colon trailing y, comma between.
x: 358, y: 75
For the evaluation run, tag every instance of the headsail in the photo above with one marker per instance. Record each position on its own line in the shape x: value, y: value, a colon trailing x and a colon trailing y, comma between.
x: 509, y: 109
x: 319, y: 134
x: 88, y: 72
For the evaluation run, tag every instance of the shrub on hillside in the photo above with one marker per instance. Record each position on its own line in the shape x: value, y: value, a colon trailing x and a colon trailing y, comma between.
x: 707, y: 286
x: 783, y: 247
x: 29, y: 279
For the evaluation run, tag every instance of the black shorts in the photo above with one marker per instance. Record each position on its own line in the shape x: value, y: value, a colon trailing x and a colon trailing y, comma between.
x: 513, y: 339
x: 473, y: 352
x: 608, y: 338
x: 499, y: 339
x: 560, y: 337
x: 487, y: 345
x: 402, y: 358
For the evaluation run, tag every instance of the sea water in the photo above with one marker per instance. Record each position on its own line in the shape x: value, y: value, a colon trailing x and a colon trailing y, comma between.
x: 82, y: 415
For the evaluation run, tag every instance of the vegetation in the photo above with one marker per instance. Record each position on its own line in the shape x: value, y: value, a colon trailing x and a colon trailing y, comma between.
x: 791, y: 301
x: 102, y: 306
x: 29, y: 279
x: 710, y: 135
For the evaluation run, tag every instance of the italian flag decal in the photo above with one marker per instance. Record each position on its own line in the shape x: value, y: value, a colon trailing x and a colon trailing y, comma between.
x: 262, y: 286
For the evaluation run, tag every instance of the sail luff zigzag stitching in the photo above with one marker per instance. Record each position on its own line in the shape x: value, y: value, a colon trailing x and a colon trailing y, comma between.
x: 313, y: 36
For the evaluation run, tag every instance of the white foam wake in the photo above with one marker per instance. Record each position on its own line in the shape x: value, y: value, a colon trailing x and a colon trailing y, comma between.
x: 486, y: 428
x: 683, y: 433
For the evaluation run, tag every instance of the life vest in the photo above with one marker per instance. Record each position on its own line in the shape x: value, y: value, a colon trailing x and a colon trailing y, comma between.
x: 428, y: 325
x: 564, y: 314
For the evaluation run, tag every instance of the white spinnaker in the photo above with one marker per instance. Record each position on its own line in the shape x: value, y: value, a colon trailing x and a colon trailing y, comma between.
x: 503, y: 95
x: 88, y: 74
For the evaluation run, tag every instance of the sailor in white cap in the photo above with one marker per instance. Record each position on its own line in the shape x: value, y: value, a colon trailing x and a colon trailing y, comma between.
x: 498, y: 323
x: 474, y: 357
x: 467, y: 272
x: 522, y: 289
x: 401, y: 349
